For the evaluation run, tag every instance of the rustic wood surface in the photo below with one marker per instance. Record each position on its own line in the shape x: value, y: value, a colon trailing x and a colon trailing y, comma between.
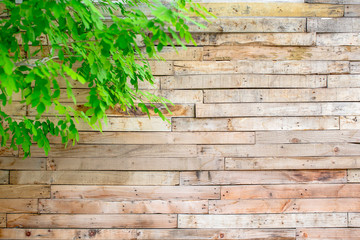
x: 262, y: 140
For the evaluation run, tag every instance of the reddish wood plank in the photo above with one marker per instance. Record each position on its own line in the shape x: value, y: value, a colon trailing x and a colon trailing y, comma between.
x: 18, y: 206
x: 327, y: 233
x: 11, y: 163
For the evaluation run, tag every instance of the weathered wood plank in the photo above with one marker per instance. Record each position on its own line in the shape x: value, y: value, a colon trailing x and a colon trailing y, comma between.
x: 167, y: 138
x: 292, y: 163
x: 243, y: 234
x: 8, y: 152
x: 24, y: 191
x: 352, y: 11
x: 95, y: 151
x: 284, y: 206
x: 308, y: 136
x: 263, y: 220
x: 18, y: 206
x: 355, y: 67
x: 337, y: 39
x: 266, y: 39
x: 349, y: 122
x: 280, y: 150
x: 272, y: 9
x: 291, y: 191
x: 228, y: 53
x: 14, y: 109
x: 327, y: 233
x: 282, y: 95
x: 94, y: 177
x: 343, y: 81
x: 354, y: 220
x: 123, y: 207
x: 333, y: 25
x: 277, y: 109
x: 11, y: 163
x: 2, y: 220
x: 255, y: 124
x: 251, y: 25
x: 92, y: 221
x: 138, y: 164
x: 261, y: 67
x: 262, y: 177
x: 119, y: 193
x: 161, y: 68
x: 65, y: 234
x: 353, y: 175
x: 190, y: 53
x: 243, y: 81
x: 4, y: 177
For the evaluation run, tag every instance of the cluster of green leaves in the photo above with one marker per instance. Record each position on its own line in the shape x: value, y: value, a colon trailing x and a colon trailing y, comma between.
x: 48, y: 44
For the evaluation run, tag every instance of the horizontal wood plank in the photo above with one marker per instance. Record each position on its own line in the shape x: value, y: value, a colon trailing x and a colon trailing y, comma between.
x: 334, y: 1
x: 284, y: 206
x: 355, y: 67
x: 352, y: 11
x: 8, y: 152
x: 343, y: 81
x: 161, y: 68
x: 136, y: 164
x: 251, y: 25
x: 94, y: 177
x: 261, y: 67
x: 24, y: 191
x: 277, y: 109
x: 291, y: 191
x: 282, y: 95
x: 4, y: 177
x: 334, y: 25
x: 243, y: 81
x: 95, y: 151
x: 337, y: 39
x: 262, y: 177
x: 353, y: 175
x: 280, y: 150
x: 354, y: 220
x: 349, y: 122
x: 255, y: 124
x: 123, y: 207
x: 18, y: 206
x: 167, y: 138
x: 292, y: 163
x: 135, y: 193
x: 263, y: 220
x: 327, y: 233
x: 11, y: 163
x: 92, y: 221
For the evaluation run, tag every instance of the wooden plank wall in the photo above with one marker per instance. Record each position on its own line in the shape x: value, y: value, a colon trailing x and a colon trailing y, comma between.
x: 263, y: 141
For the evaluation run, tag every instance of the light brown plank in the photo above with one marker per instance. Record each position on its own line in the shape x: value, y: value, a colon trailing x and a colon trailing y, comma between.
x: 161, y: 68
x: 343, y: 81
x: 349, y: 122
x: 355, y: 67
x: 292, y: 163
x: 24, y: 191
x: 264, y: 39
x: 227, y: 53
x: 2, y: 220
x: 4, y: 177
x: 280, y: 150
x: 243, y: 234
x: 337, y: 39
x: 18, y: 206
x: 308, y: 136
x: 190, y: 53
x: 92, y: 221
x: 334, y: 1
x: 94, y: 177
x: 354, y: 220
x: 123, y: 207
x: 95, y: 151
x: 11, y: 163
x: 120, y: 193
x: 277, y: 109
x: 284, y: 206
x: 263, y: 220
x: 327, y: 233
x: 282, y: 95
x: 334, y: 25
x: 138, y: 164
x: 291, y: 191
x: 167, y: 138
x: 251, y: 25
x: 14, y: 109
x: 65, y: 234
x: 273, y: 9
x: 8, y: 152
x: 261, y: 67
x: 255, y: 124
x: 352, y: 11
x: 262, y: 177
x: 243, y: 81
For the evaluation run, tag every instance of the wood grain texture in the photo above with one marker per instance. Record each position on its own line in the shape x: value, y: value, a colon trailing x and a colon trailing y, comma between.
x: 349, y: 122
x: 4, y: 177
x: 120, y: 193
x: 12, y: 163
x: 277, y: 109
x: 254, y: 124
x: 135, y: 164
x: 243, y: 81
x: 341, y: 25
x: 18, y: 206
x: 123, y: 207
x: 263, y: 220
x: 24, y: 191
x: 353, y: 175
x: 92, y: 221
x: 337, y: 39
x: 354, y: 220
x: 334, y: 1
x: 2, y: 220
x: 327, y: 233
x: 352, y: 11
x: 343, y: 81
x: 262, y: 177
x: 355, y: 67
x: 291, y: 191
x: 94, y: 177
